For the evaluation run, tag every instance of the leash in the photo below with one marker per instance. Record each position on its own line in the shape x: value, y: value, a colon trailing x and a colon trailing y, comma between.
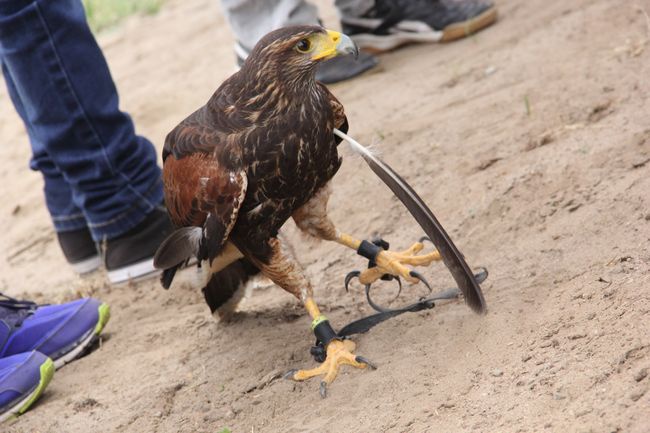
x: 363, y: 325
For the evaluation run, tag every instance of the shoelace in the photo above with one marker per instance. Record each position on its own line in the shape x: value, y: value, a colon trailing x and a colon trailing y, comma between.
x: 14, y: 311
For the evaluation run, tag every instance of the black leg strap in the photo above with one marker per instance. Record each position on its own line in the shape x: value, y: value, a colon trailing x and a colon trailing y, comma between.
x: 369, y: 250
x: 364, y: 324
x: 324, y: 335
x: 324, y: 332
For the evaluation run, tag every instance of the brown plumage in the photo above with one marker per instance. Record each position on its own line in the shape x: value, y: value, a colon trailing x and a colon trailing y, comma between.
x: 262, y: 150
x: 261, y: 147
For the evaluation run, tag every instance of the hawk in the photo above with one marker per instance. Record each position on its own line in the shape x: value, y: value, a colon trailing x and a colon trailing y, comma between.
x: 260, y: 151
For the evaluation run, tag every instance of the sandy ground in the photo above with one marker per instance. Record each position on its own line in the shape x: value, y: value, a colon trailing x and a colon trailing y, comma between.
x: 552, y: 195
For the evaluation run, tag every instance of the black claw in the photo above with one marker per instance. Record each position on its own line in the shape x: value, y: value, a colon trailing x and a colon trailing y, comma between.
x: 372, y: 303
x: 349, y: 277
x: 421, y: 278
x: 363, y: 360
x: 425, y: 238
x: 376, y: 306
x: 289, y: 374
x: 399, y: 291
x: 323, y: 390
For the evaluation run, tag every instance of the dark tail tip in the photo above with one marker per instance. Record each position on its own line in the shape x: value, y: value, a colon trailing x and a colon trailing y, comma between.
x: 168, y: 276
x: 223, y: 284
x: 179, y: 246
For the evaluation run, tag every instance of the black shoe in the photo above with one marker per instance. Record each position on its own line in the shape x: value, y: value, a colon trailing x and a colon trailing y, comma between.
x: 392, y: 23
x: 344, y: 67
x: 130, y: 256
x: 80, y: 250
x: 330, y: 71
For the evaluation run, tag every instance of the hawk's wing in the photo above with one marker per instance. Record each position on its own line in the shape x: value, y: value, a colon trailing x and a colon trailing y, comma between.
x: 205, y: 186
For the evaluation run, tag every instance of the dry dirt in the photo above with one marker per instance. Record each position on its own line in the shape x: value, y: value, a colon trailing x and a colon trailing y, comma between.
x: 531, y: 143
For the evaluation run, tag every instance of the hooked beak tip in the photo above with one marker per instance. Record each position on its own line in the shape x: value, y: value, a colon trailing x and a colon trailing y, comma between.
x: 355, y: 52
x: 347, y: 46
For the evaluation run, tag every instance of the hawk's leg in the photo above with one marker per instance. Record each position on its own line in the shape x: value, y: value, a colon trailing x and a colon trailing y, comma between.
x: 312, y: 218
x: 391, y: 262
x: 285, y: 271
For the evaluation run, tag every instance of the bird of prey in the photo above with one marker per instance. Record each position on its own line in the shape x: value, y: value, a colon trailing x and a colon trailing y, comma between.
x: 260, y: 151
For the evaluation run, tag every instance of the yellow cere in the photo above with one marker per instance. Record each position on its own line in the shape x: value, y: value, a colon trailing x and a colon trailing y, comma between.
x: 325, y: 45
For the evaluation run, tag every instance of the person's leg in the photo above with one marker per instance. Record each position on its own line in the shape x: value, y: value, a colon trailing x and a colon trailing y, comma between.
x: 70, y: 105
x: 252, y: 19
x: 65, y: 214
x: 354, y: 8
x: 69, y: 221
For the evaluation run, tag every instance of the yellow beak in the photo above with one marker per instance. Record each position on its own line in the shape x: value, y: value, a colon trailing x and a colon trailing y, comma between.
x: 333, y: 44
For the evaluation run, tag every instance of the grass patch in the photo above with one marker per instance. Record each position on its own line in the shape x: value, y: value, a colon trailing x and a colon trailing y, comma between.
x: 527, y: 105
x: 103, y: 14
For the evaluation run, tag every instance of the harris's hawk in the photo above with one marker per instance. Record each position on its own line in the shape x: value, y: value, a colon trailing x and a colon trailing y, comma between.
x: 260, y: 151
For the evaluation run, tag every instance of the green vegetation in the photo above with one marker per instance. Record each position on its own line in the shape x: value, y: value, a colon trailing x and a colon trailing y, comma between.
x: 226, y: 430
x: 106, y: 13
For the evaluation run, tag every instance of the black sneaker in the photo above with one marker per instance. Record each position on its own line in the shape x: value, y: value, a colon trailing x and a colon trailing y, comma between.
x: 330, y: 71
x: 130, y: 256
x: 80, y: 250
x: 393, y: 23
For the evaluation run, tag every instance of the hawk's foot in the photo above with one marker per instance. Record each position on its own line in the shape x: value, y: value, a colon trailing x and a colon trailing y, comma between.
x: 339, y: 353
x: 396, y: 263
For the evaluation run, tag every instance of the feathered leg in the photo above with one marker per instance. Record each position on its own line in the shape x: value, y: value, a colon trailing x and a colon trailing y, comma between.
x: 312, y: 218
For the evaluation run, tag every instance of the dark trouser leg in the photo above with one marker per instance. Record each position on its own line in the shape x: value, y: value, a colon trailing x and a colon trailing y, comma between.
x: 70, y: 107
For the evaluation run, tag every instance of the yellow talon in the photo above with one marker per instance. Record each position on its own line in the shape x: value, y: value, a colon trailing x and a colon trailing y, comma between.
x: 394, y: 263
x: 339, y: 353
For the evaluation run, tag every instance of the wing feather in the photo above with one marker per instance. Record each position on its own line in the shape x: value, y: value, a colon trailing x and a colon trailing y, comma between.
x: 452, y: 258
x: 201, y: 192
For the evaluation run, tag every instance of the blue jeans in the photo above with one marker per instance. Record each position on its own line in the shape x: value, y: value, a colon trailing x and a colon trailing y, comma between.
x: 98, y: 173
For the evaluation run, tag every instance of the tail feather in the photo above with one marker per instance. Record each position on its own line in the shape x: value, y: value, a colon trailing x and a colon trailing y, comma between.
x: 168, y: 276
x: 182, y: 244
x: 223, y: 285
x: 177, y: 249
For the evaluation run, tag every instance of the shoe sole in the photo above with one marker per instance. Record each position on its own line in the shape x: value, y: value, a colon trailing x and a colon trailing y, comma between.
x: 375, y: 44
x: 47, y: 371
x: 469, y: 27
x: 104, y: 315
x: 135, y: 272
x: 87, y: 266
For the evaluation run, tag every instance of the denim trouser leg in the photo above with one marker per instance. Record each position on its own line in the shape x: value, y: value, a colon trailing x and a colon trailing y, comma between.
x: 58, y: 195
x: 70, y: 106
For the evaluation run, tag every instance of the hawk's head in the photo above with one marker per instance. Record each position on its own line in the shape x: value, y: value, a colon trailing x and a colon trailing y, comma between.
x: 293, y: 52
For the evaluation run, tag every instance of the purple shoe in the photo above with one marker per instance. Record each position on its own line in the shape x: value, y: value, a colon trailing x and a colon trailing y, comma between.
x: 62, y: 332
x: 23, y: 378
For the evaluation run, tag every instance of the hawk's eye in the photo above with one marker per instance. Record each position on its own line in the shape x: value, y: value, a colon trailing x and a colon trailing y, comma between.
x: 304, y: 45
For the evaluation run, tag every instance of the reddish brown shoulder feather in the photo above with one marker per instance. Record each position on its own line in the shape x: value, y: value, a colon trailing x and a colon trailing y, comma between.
x: 197, y: 185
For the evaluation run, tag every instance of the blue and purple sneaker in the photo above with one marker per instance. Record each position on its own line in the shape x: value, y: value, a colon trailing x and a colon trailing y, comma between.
x: 23, y: 378
x: 62, y: 332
